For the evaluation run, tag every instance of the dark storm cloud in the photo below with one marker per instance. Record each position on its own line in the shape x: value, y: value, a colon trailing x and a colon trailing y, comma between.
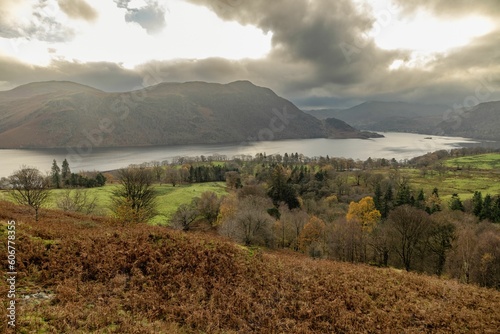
x: 316, y: 46
x: 150, y: 17
x: 311, y: 32
x: 78, y: 9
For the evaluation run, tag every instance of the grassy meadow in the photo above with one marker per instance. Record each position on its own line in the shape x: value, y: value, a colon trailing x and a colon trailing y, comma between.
x: 463, y: 182
x: 488, y: 161
x: 169, y: 198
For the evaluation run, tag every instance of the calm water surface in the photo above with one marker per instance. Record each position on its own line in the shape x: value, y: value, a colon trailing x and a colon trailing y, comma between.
x: 394, y: 145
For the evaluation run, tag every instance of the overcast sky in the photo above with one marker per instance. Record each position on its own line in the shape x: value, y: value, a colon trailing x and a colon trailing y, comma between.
x: 317, y: 53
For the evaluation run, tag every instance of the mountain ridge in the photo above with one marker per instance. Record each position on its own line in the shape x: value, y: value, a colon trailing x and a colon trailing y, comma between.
x: 60, y: 114
x: 478, y: 122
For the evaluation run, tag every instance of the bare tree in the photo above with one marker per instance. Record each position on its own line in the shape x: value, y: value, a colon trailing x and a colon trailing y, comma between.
x: 158, y: 171
x: 77, y: 200
x: 290, y: 226
x: 135, y: 198
x: 172, y: 175
x: 408, y: 228
x: 29, y: 187
x: 251, y: 225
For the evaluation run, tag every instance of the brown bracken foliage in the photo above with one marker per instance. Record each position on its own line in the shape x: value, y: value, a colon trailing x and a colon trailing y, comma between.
x: 106, y: 277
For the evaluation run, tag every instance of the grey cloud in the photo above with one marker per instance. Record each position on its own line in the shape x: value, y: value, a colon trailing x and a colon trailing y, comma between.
x: 151, y: 17
x: 307, y: 63
x: 320, y: 45
x: 101, y: 75
x: 312, y: 36
x: 78, y: 9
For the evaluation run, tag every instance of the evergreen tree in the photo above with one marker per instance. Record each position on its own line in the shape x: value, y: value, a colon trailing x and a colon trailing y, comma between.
x: 280, y: 190
x: 477, y: 203
x: 65, y: 172
x: 100, y: 180
x: 377, y: 198
x: 420, y: 202
x: 433, y: 203
x: 404, y: 194
x: 487, y: 209
x: 387, y: 202
x: 496, y: 210
x: 456, y: 204
x: 55, y: 175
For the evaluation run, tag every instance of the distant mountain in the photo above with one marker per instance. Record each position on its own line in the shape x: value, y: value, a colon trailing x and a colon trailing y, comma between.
x: 61, y: 114
x: 388, y: 116
x: 480, y: 122
x: 323, y: 113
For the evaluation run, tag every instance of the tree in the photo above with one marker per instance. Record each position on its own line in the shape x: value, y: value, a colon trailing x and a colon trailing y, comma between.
x: 157, y: 171
x: 29, y: 187
x: 408, y: 227
x: 420, y: 202
x: 184, y: 217
x: 440, y: 240
x: 289, y: 226
x: 77, y: 200
x: 233, y: 179
x: 135, y: 198
x: 172, y: 176
x: 55, y: 175
x: 366, y: 216
x: 100, y: 179
x: 404, y: 194
x: 208, y: 205
x: 477, y: 203
x: 250, y: 224
x: 386, y: 205
x: 433, y: 203
x: 456, y: 204
x: 487, y: 208
x: 280, y: 190
x: 312, y: 237
x: 65, y: 172
x: 377, y: 198
x: 364, y: 213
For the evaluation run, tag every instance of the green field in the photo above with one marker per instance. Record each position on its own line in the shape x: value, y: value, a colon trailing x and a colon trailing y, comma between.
x: 488, y: 161
x: 169, y: 198
x: 462, y: 183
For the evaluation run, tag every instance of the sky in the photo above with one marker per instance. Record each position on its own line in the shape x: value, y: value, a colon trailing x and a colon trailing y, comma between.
x: 316, y: 53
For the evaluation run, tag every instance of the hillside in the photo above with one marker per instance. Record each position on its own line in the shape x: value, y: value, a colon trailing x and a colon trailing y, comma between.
x: 62, y: 114
x: 481, y: 122
x: 388, y: 116
x: 81, y: 274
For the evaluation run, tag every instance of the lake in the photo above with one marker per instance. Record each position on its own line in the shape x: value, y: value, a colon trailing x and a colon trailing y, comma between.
x: 394, y: 145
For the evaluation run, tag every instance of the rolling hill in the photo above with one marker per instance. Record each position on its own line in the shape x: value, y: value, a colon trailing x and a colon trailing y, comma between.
x: 60, y: 114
